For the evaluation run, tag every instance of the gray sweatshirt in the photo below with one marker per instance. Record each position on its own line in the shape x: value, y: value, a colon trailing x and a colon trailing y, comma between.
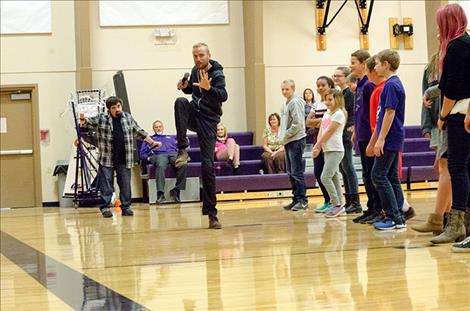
x: 292, y: 120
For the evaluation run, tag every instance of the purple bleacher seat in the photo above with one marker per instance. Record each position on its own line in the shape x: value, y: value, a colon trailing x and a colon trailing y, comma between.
x: 242, y: 138
x: 411, y: 159
x: 413, y: 131
x: 258, y: 182
x: 416, y: 145
x: 404, y: 174
x: 248, y: 152
x: 422, y: 173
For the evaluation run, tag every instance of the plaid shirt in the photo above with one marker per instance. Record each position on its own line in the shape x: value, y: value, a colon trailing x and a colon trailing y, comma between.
x: 103, y: 125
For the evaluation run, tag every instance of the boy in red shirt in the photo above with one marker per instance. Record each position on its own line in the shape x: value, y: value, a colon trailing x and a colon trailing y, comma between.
x: 374, y: 104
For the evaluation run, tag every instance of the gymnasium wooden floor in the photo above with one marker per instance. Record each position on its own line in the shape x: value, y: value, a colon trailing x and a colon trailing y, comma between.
x: 263, y: 259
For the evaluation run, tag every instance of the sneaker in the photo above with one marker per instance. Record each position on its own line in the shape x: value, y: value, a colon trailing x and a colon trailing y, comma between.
x: 335, y: 211
x: 324, y: 208
x: 462, y: 247
x: 175, y: 195
x: 386, y: 224
x: 373, y: 219
x: 126, y: 211
x: 300, y: 206
x: 389, y: 224
x: 410, y: 213
x: 353, y: 209
x: 214, y: 223
x: 361, y: 217
x: 160, y: 197
x: 289, y: 206
x: 106, y: 212
x: 182, y: 158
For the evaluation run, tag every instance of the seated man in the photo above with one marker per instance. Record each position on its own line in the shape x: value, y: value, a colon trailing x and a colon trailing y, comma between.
x: 161, y: 157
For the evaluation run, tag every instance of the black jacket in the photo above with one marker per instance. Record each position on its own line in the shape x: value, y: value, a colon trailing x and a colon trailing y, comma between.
x: 455, y: 78
x: 209, y: 103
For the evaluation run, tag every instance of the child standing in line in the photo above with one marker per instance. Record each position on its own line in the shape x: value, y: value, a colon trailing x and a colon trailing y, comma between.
x: 324, y: 84
x: 330, y: 139
x: 388, y: 139
x: 292, y: 136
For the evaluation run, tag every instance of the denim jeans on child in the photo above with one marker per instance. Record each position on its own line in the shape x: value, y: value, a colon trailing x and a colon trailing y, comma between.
x: 387, y: 184
x: 295, y: 169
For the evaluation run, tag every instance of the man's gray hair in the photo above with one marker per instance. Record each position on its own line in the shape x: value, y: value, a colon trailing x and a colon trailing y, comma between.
x: 200, y: 45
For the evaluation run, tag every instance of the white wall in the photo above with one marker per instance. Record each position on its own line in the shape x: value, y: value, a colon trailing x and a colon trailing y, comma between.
x: 152, y: 71
x: 49, y: 61
x: 290, y: 46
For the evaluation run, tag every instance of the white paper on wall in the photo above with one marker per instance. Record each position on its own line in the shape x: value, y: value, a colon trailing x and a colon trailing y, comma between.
x: 138, y: 13
x: 466, y: 7
x: 25, y: 17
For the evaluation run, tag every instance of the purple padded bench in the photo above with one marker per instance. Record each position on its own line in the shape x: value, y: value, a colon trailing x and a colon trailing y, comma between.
x: 249, y: 152
x: 242, y: 138
x: 413, y: 131
x: 422, y: 173
x: 416, y: 145
x: 412, y: 159
x: 258, y: 182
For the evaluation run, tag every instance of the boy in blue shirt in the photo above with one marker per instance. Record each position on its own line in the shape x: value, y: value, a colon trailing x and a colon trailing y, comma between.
x: 387, y: 140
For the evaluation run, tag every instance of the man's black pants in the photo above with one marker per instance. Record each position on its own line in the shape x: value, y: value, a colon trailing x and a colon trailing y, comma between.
x: 188, y: 117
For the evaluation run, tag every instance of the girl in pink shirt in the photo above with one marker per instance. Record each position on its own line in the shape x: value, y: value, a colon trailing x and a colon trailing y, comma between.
x: 226, y: 149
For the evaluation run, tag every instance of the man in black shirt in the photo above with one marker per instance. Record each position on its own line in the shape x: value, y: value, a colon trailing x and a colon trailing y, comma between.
x: 201, y: 115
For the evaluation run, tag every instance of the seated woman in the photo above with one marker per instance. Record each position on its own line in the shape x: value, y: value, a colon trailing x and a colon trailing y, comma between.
x: 226, y: 149
x: 273, y: 155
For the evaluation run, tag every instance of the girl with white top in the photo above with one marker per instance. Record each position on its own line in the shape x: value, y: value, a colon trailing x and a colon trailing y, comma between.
x: 330, y: 139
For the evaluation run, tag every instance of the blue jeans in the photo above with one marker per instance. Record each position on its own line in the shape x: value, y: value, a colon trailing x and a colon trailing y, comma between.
x: 373, y: 200
x: 294, y: 168
x: 387, y: 184
x: 106, y: 184
x: 346, y: 167
x: 458, y: 157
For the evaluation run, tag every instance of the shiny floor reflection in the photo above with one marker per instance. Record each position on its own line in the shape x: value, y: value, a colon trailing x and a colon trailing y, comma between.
x: 264, y: 258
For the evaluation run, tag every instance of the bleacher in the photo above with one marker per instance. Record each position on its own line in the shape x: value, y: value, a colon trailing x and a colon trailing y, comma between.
x: 418, y: 161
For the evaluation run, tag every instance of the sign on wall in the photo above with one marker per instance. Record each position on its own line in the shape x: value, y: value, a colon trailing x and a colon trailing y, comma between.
x: 149, y: 13
x: 25, y: 17
x: 466, y: 7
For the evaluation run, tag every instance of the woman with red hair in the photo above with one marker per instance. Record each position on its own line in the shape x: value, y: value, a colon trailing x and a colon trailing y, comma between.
x: 454, y: 70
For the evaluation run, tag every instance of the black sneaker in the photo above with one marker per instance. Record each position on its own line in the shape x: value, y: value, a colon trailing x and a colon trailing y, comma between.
x: 289, y: 206
x: 106, y: 212
x: 160, y: 197
x: 214, y: 223
x: 374, y: 219
x: 182, y: 158
x: 353, y: 209
x: 410, y: 213
x: 462, y: 247
x: 359, y: 218
x: 175, y: 195
x: 300, y: 206
x: 126, y: 211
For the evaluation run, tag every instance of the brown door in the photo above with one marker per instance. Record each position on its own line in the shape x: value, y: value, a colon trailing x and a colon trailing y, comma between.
x: 17, y: 181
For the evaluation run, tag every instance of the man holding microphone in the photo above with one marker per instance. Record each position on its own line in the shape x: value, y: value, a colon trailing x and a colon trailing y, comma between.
x: 201, y: 115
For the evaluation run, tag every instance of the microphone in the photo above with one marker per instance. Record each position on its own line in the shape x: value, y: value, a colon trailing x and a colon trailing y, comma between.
x: 185, y: 78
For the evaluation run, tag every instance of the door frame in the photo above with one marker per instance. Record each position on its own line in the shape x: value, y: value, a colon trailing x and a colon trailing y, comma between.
x: 33, y: 88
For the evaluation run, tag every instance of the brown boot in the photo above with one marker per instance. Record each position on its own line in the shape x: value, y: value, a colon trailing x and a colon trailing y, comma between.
x: 454, y: 230
x: 466, y: 222
x: 434, y: 224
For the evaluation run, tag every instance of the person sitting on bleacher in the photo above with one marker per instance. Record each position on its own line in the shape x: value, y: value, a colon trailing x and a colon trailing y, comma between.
x: 160, y: 157
x: 226, y: 149
x: 273, y: 155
